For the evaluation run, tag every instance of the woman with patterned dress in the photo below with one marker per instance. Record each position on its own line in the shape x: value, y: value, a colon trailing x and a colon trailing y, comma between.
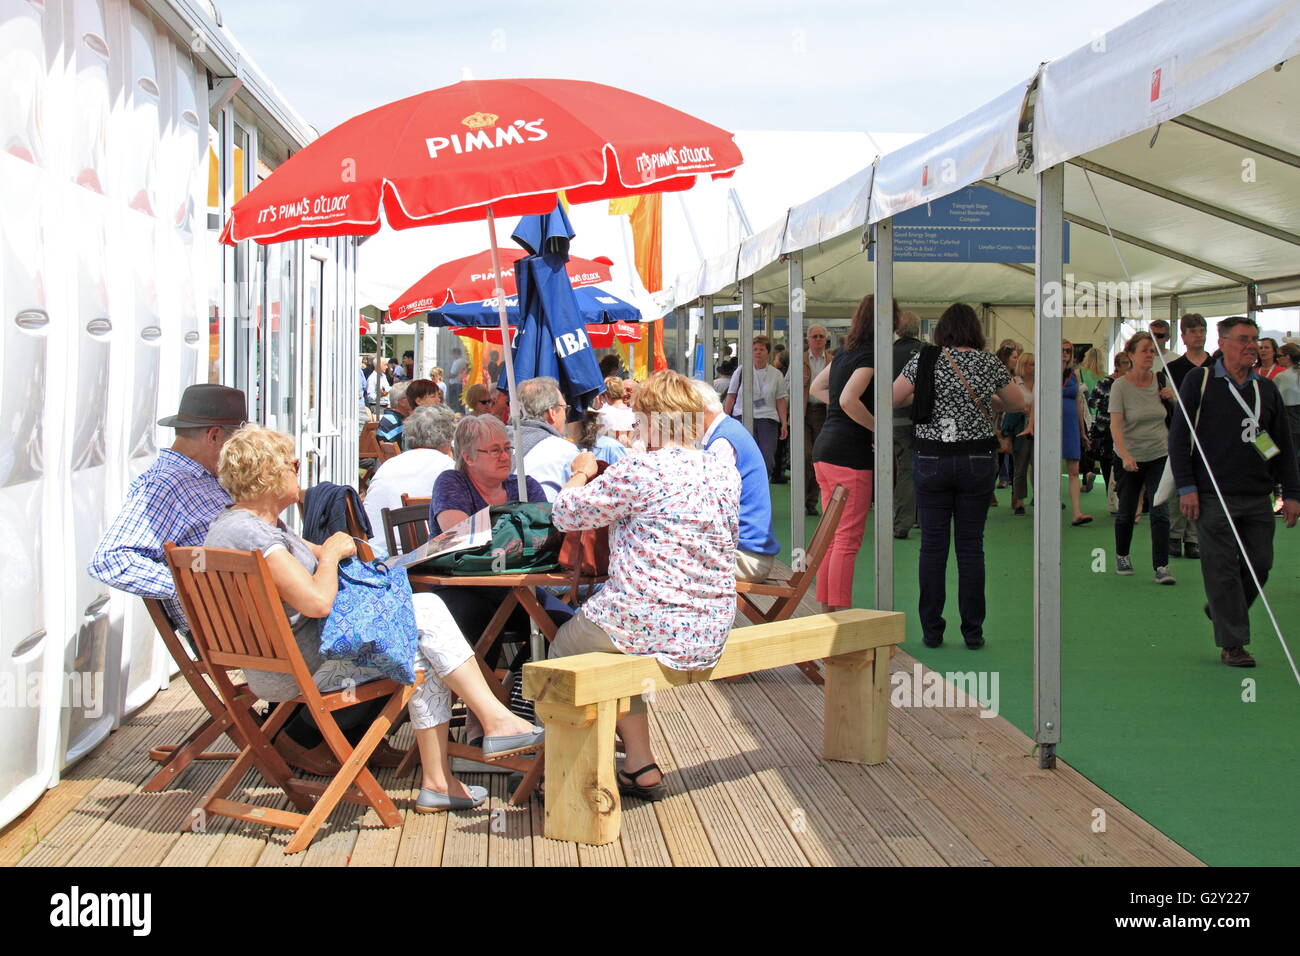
x: 674, y: 517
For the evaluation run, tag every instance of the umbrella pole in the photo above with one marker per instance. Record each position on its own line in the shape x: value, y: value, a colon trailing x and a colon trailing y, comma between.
x: 506, y: 349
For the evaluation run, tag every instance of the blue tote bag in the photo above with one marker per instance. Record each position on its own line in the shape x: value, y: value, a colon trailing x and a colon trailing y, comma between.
x: 373, y: 621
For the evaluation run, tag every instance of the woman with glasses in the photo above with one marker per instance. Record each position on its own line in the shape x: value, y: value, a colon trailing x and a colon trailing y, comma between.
x: 478, y: 399
x: 483, y: 475
x: 259, y: 471
x: 1141, y: 441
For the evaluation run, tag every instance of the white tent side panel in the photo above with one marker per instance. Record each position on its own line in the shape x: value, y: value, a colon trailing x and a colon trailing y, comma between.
x: 1166, y: 62
x: 979, y: 145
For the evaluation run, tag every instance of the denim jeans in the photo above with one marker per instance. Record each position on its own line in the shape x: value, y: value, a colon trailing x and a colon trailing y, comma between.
x: 1130, y: 486
x: 953, y: 492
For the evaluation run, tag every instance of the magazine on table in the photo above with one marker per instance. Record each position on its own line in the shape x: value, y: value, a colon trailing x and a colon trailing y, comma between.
x: 475, y: 531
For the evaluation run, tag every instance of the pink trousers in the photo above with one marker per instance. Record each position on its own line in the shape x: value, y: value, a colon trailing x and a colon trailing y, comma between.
x: 835, y: 577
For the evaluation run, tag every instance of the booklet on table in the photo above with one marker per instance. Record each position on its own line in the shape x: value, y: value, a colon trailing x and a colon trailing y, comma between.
x: 473, y: 532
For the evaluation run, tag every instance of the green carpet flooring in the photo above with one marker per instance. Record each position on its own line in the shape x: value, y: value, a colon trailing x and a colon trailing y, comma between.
x: 1149, y: 713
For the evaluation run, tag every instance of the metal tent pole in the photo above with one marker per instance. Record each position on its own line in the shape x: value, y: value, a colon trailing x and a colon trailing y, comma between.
x: 507, y: 352
x: 745, y: 352
x: 1049, y: 296
x: 706, y: 333
x: 797, y: 420
x: 883, y: 383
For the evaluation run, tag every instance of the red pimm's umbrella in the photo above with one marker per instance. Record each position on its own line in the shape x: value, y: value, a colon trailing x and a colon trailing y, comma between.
x: 477, y: 150
x: 601, y: 335
x: 472, y: 279
x: 462, y: 152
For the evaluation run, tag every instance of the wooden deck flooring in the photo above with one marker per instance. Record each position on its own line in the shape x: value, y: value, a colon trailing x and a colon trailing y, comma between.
x: 747, y: 788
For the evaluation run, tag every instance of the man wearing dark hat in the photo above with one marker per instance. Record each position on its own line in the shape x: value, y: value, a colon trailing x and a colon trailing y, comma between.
x: 174, y: 500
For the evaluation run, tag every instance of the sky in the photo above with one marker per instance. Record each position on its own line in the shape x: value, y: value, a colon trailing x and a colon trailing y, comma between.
x: 760, y: 64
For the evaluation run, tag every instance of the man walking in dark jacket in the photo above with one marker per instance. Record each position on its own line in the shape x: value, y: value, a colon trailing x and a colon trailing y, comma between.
x: 1246, y: 445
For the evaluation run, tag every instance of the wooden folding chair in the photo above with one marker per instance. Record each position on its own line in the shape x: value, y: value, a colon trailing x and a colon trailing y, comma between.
x: 368, y: 451
x: 176, y: 757
x: 787, y: 594
x: 387, y: 450
x: 405, y: 529
x: 409, y: 500
x: 238, y: 622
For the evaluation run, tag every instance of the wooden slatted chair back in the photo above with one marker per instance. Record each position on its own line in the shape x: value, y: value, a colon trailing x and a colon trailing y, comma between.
x: 387, y: 450
x: 409, y: 500
x: 405, y: 529
x: 820, y: 543
x: 368, y: 443
x: 234, y: 610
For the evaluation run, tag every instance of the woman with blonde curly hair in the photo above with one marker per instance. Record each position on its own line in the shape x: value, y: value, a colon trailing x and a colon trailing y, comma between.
x: 260, y: 472
x: 674, y: 519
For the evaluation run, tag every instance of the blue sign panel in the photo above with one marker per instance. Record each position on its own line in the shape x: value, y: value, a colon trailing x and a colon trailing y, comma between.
x: 971, y: 225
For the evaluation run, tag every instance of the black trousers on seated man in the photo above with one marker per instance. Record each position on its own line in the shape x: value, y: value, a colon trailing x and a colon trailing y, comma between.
x: 1228, y: 584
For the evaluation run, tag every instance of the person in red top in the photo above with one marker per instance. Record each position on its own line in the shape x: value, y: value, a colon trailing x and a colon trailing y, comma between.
x: 1268, y: 367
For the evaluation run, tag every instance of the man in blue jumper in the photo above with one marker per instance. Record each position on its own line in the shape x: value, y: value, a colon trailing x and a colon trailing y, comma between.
x: 1246, y: 446
x: 727, y: 438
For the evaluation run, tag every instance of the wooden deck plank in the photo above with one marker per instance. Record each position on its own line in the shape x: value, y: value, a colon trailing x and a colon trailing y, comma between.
x: 423, y: 838
x: 23, y: 833
x: 511, y: 828
x: 917, y: 833
x: 724, y: 790
x: 548, y: 853
x: 145, y: 826
x: 610, y: 854
x: 826, y: 822
x: 996, y: 840
x: 377, y: 845
x: 77, y: 826
x: 769, y: 822
x: 1069, y: 794
x: 684, y: 835
x: 466, y: 842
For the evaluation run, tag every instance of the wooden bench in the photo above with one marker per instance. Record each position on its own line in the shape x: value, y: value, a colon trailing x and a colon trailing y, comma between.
x: 579, y: 698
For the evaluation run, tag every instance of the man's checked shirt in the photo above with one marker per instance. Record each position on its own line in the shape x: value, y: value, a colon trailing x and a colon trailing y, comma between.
x: 175, y: 500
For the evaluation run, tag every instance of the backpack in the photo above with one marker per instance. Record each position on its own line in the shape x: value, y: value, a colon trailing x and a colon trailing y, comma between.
x: 523, y: 540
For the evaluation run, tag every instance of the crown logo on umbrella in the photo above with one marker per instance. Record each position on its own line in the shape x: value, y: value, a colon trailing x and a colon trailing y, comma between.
x: 480, y: 120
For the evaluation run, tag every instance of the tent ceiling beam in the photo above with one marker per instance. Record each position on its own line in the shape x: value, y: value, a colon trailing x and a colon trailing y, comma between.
x: 1133, y: 240
x: 1237, y: 139
x: 1190, y: 202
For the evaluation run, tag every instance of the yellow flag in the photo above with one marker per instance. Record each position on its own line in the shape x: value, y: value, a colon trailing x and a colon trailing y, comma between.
x: 624, y: 205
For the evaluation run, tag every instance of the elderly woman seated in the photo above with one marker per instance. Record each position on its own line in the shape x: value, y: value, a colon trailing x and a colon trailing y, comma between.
x: 259, y: 471
x: 428, y: 432
x: 674, y: 518
x: 483, y: 476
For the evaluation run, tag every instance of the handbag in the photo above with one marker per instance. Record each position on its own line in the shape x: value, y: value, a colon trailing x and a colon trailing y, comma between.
x: 1166, y: 489
x: 372, y: 622
x: 523, y: 540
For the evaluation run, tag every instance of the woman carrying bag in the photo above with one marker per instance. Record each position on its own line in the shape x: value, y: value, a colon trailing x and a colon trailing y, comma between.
x: 1138, y: 413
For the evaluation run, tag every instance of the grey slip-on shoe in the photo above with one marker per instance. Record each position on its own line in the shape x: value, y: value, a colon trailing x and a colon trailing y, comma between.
x: 431, y: 801
x: 513, y: 744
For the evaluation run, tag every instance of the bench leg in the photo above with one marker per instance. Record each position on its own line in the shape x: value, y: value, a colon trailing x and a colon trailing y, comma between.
x: 581, y: 793
x: 856, y: 714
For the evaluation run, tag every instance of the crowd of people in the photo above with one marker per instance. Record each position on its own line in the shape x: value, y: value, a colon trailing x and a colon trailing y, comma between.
x: 684, y: 488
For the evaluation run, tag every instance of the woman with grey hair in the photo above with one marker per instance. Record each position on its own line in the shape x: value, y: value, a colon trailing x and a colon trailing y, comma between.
x: 428, y: 431
x: 482, y: 477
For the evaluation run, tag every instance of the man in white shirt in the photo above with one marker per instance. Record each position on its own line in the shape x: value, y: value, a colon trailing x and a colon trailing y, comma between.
x: 771, y: 401
x: 377, y: 384
x: 547, y: 454
x: 428, y: 431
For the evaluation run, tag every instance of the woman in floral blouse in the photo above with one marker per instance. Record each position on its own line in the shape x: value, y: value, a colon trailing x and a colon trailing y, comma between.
x: 674, y: 519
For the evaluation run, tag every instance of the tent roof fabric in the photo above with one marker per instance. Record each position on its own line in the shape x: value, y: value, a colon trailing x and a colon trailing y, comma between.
x: 1198, y: 177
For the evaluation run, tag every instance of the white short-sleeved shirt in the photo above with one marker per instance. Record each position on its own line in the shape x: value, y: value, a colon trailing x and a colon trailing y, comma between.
x: 769, y: 385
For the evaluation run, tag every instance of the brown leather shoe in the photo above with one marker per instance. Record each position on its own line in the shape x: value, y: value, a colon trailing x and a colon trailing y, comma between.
x: 1237, y: 657
x: 386, y: 755
x: 319, y: 760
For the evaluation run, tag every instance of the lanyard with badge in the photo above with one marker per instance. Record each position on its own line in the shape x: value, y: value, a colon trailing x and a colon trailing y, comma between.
x: 1251, y: 433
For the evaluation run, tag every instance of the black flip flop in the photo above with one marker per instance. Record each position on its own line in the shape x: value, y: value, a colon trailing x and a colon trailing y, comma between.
x: 628, y: 786
x: 1086, y: 519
